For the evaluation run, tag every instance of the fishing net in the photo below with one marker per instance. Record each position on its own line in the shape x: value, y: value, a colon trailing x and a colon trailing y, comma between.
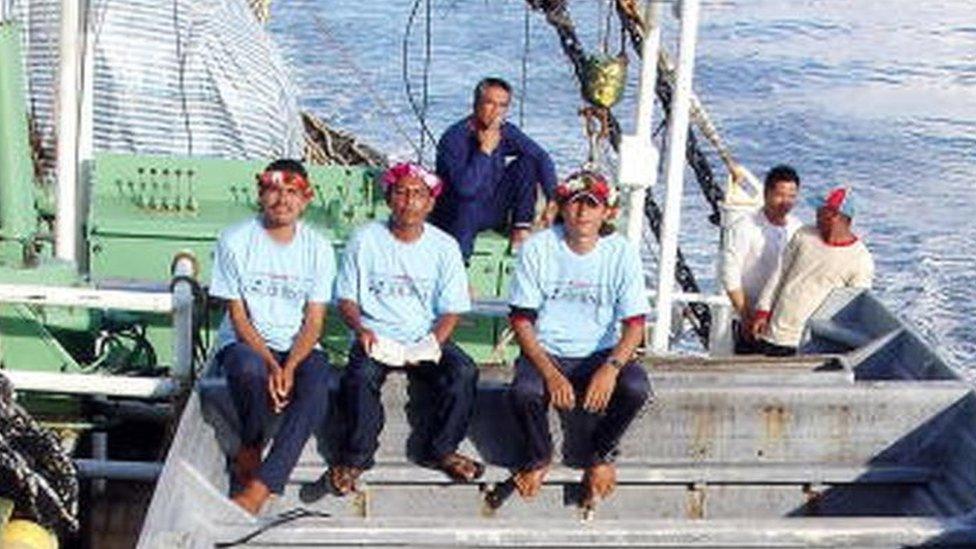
x: 35, y: 472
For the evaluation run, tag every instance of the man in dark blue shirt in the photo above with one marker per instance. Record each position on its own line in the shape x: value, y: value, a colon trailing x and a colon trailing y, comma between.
x: 491, y: 170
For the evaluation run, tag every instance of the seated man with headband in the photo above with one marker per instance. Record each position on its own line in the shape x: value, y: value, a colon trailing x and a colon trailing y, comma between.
x: 275, y: 275
x: 401, y: 290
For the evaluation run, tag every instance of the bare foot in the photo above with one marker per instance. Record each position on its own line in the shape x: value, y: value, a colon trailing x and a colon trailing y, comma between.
x: 253, y: 496
x: 246, y: 464
x: 599, y: 481
x: 528, y: 482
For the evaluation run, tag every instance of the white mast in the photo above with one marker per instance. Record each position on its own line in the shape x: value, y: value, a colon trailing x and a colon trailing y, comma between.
x: 677, y: 142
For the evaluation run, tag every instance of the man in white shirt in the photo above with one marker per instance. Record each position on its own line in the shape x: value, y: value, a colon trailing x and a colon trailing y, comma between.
x: 755, y: 246
x: 817, y: 260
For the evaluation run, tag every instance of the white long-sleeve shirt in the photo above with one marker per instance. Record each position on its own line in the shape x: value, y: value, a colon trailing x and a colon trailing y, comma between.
x: 811, y: 269
x: 753, y: 252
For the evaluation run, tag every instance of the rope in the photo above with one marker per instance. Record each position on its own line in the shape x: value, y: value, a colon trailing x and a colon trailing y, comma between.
x: 427, y: 61
x: 557, y: 15
x: 35, y: 472
x: 261, y: 9
x: 367, y: 155
x: 283, y: 518
x: 525, y: 66
x: 711, y: 190
x: 607, y: 26
x: 405, y: 73
x: 326, y: 145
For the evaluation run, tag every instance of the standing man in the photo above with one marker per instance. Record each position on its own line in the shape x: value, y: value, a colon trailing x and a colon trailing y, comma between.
x: 491, y: 170
x: 577, y: 308
x: 755, y: 246
x: 817, y: 260
x: 401, y: 290
x: 275, y: 275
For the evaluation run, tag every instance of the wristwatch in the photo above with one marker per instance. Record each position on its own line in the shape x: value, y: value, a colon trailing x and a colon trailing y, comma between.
x: 616, y: 363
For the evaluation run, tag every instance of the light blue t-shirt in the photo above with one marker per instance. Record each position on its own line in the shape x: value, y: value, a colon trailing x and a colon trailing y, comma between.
x: 401, y: 288
x: 274, y: 280
x: 580, y: 299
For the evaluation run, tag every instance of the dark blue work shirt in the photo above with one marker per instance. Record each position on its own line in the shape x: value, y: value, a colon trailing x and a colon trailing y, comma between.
x: 470, y: 174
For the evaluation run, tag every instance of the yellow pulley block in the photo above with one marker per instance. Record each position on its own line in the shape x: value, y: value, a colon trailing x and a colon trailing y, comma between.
x: 606, y: 77
x: 24, y: 534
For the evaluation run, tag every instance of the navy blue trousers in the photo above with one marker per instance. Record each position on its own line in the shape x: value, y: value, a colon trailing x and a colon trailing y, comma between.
x: 531, y: 401
x: 454, y: 380
x: 247, y: 376
x: 511, y: 203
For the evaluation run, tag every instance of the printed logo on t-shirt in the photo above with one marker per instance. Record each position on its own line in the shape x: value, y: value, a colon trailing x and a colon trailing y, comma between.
x: 400, y: 286
x: 577, y: 292
x: 276, y: 286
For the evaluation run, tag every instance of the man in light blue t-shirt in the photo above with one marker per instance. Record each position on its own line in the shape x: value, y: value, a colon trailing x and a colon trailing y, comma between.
x: 401, y: 289
x: 577, y: 309
x: 275, y: 275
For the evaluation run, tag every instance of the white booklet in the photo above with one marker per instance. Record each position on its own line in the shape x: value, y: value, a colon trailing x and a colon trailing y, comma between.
x: 393, y: 353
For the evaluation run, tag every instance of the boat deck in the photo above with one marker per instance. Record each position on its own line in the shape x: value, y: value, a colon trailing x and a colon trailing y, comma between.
x: 825, y: 449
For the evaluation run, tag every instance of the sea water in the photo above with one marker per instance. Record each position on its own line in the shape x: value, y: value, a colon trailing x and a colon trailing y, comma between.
x: 879, y: 95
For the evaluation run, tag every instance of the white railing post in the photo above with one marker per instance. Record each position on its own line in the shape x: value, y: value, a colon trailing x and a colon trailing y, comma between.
x: 183, y: 267
x: 638, y: 155
x: 677, y: 141
x: 179, y: 304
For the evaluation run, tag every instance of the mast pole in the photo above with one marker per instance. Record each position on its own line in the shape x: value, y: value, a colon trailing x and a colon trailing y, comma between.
x: 68, y: 114
x: 677, y: 142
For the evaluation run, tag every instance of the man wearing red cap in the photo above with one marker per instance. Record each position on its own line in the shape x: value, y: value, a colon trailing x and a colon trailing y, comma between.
x: 578, y: 303
x: 817, y: 260
x: 275, y: 275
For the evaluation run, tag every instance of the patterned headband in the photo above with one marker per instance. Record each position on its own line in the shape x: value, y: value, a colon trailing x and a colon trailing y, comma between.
x: 402, y: 170
x: 280, y: 178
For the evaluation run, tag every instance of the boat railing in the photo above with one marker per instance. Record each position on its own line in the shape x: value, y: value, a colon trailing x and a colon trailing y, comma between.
x: 178, y: 302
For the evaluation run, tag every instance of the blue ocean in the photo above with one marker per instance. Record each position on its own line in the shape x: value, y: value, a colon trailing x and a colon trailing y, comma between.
x: 879, y: 95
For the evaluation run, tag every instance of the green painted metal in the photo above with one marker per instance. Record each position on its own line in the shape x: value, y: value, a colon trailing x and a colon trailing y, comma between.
x: 49, y: 338
x: 17, y: 215
x: 27, y: 344
x: 150, y: 208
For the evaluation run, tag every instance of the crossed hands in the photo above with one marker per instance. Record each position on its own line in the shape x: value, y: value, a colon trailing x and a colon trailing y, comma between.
x: 281, y: 381
x: 597, y: 395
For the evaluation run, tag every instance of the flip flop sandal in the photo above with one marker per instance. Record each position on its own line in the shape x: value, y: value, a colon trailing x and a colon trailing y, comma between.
x: 343, y: 478
x: 460, y: 468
